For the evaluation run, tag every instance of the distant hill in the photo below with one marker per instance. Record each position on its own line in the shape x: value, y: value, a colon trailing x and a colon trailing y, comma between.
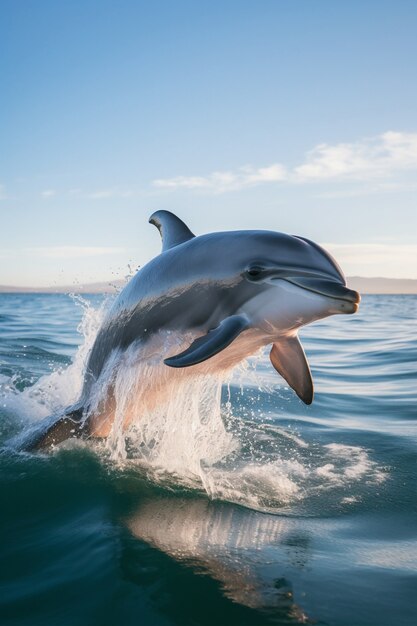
x: 112, y: 287
x: 360, y: 283
x: 383, y: 285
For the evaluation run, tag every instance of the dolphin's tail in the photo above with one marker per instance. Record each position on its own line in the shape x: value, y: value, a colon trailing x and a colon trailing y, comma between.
x: 53, y: 430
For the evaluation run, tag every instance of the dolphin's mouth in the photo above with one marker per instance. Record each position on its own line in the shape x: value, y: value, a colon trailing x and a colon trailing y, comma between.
x: 328, y: 288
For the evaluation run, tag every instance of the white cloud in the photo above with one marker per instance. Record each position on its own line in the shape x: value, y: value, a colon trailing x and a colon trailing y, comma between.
x: 101, y: 194
x: 98, y: 195
x: 48, y: 193
x: 378, y: 156
x: 71, y: 252
x: 219, y: 182
x: 364, y: 160
x: 376, y: 259
x: 367, y: 189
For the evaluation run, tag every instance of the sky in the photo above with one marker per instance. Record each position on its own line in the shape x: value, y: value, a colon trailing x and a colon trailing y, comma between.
x: 291, y: 115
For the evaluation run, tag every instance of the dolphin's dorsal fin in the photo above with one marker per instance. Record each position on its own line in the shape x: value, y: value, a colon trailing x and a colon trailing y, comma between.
x: 173, y: 230
x: 288, y: 358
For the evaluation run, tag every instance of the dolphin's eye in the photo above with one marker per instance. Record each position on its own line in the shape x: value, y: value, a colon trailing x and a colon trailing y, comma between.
x: 255, y: 271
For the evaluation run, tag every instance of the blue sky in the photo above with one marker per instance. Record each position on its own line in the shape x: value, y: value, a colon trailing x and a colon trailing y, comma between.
x: 292, y: 115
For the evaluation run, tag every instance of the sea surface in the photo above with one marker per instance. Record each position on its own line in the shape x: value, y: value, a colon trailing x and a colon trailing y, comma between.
x: 264, y: 511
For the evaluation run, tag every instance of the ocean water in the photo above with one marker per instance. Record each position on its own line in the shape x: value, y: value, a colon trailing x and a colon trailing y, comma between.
x: 236, y: 505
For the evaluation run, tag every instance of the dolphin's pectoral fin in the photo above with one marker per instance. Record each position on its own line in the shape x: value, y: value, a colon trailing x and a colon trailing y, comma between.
x: 207, y: 346
x: 173, y: 230
x: 289, y: 360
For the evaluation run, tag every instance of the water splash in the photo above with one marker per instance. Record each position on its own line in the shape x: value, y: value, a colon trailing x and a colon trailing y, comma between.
x: 61, y: 387
x: 173, y: 425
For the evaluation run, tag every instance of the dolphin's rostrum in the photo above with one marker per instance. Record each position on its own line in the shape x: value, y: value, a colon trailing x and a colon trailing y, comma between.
x: 229, y: 294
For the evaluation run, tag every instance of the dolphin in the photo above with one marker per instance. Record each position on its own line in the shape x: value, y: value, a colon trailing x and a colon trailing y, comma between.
x: 223, y: 295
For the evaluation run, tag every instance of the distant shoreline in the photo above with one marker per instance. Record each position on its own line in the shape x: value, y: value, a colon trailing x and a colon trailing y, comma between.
x: 377, y: 285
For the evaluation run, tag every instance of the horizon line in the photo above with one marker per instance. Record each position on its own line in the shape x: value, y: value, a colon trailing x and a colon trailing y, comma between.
x: 381, y: 284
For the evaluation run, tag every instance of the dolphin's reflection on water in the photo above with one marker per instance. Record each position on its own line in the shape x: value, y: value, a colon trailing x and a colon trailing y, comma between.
x: 245, y: 551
